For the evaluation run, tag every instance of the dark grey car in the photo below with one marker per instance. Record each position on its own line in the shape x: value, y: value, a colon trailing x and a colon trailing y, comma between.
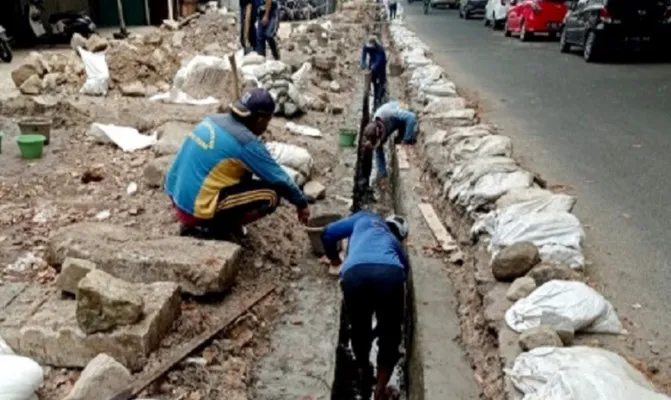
x: 472, y: 8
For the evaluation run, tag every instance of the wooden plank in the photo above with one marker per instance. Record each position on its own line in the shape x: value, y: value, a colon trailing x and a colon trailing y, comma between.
x: 402, y: 157
x: 441, y: 234
x: 239, y: 307
x: 234, y: 69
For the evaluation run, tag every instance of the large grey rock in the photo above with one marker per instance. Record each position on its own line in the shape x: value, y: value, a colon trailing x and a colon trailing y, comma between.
x: 539, y: 337
x: 171, y: 136
x: 105, y: 302
x: 103, y: 378
x: 515, y: 261
x: 73, y: 270
x: 155, y: 170
x: 32, y: 86
x: 198, y: 266
x: 38, y: 323
x: 520, y: 288
x: 314, y: 190
x: 547, y: 272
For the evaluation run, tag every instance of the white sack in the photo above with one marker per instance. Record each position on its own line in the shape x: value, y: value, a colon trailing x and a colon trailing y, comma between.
x: 291, y: 156
x: 564, y: 301
x: 480, y: 147
x: 300, y: 77
x: 127, y: 138
x: 296, y: 176
x: 20, y: 377
x: 533, y: 370
x: 97, y: 73
x: 558, y: 235
x: 440, y: 88
x: 442, y: 104
x: 252, y: 58
x: 426, y: 75
x: 303, y: 130
x: 587, y: 384
x: 176, y: 96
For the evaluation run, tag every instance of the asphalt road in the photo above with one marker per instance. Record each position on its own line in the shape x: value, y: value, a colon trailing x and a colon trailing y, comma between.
x: 603, y: 129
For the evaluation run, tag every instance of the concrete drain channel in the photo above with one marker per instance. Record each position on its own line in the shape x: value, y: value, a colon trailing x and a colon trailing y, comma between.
x: 345, y: 385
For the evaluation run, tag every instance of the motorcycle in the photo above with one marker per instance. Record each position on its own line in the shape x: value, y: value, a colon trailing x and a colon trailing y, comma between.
x: 5, y: 49
x: 65, y: 24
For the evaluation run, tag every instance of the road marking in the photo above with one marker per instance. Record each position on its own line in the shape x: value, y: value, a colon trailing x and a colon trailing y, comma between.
x: 446, y: 241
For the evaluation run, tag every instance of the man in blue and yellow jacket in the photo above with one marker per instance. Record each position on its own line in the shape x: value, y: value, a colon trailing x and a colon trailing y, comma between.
x: 211, y: 183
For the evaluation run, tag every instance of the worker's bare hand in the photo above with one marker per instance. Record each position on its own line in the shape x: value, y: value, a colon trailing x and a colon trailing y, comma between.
x: 304, y: 215
x: 265, y: 20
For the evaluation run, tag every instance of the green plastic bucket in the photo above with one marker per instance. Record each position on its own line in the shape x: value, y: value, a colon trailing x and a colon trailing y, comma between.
x: 1, y: 136
x: 31, y: 146
x: 347, y: 137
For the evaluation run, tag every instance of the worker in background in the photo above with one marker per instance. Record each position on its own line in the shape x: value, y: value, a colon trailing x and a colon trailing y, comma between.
x: 389, y: 118
x: 393, y: 7
x: 211, y: 183
x: 269, y: 22
x: 372, y: 279
x: 248, y: 16
x: 374, y: 59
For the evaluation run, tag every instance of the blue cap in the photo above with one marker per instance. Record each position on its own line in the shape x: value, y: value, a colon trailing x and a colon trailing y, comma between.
x: 256, y: 101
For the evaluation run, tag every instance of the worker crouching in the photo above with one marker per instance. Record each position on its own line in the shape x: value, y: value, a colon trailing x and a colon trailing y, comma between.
x: 372, y: 279
x: 211, y: 180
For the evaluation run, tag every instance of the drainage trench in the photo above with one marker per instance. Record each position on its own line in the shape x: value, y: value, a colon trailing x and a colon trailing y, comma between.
x: 364, y: 197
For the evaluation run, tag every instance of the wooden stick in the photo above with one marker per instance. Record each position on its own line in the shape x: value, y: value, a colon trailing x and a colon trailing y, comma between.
x: 446, y: 241
x: 171, y: 14
x: 234, y: 68
x: 239, y: 307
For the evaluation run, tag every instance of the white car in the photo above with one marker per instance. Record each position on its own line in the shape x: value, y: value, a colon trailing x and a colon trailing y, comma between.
x: 496, y: 12
x: 445, y: 3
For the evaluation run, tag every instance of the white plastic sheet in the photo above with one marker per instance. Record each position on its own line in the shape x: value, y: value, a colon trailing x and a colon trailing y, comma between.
x: 291, y: 156
x: 564, y: 301
x: 578, y: 373
x: 303, y: 130
x: 20, y: 377
x: 300, y: 77
x: 97, y: 73
x: 127, y: 138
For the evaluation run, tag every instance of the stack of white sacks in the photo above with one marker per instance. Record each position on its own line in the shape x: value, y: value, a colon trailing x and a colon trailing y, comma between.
x: 479, y: 176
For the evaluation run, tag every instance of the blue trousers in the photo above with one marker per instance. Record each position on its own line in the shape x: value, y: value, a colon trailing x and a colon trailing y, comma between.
x: 375, y: 289
x: 379, y: 82
x: 252, y: 29
x: 267, y: 34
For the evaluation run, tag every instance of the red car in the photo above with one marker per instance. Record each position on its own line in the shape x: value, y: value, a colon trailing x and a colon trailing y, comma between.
x: 527, y: 18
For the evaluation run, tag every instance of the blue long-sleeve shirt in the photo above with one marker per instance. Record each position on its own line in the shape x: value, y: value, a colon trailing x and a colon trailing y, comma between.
x: 370, y: 242
x: 375, y: 59
x: 218, y: 153
x: 393, y: 116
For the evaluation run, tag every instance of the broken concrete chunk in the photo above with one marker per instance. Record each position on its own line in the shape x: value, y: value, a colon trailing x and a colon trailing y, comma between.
x: 515, y: 261
x: 78, y: 41
x: 53, y: 80
x: 520, y: 288
x: 334, y: 86
x: 51, y: 335
x: 133, y: 89
x: 154, y: 172
x: 23, y: 73
x: 539, y: 337
x: 32, y: 86
x: 170, y: 24
x: 198, y: 266
x: 314, y: 191
x: 96, y: 43
x: 324, y: 62
x: 73, y: 270
x: 171, y: 136
x: 544, y: 273
x: 103, y: 378
x: 105, y: 302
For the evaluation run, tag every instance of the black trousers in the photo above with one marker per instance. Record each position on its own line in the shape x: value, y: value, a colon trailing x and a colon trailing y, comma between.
x: 375, y: 289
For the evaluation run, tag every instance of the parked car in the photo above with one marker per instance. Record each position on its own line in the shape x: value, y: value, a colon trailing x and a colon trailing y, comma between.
x: 444, y: 3
x: 495, y: 13
x: 472, y: 8
x: 528, y: 18
x: 599, y: 26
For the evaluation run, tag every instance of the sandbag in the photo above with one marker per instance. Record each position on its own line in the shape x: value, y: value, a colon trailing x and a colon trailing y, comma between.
x: 541, y: 373
x: 570, y: 302
x: 20, y: 377
x: 291, y: 156
x: 97, y: 73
